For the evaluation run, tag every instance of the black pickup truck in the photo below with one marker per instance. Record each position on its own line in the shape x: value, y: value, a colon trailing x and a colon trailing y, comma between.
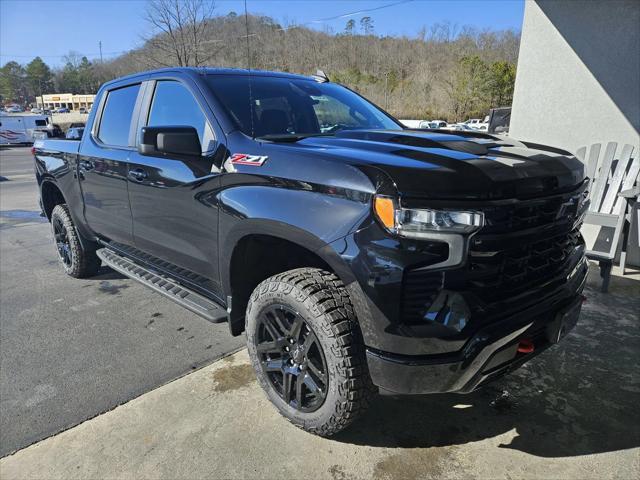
x: 357, y: 255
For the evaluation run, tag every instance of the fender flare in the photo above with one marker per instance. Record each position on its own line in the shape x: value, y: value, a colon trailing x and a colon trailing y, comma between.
x: 83, y: 234
x: 282, y: 231
x: 324, y: 251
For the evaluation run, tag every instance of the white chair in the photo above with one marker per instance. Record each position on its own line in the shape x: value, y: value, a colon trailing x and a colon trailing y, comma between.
x: 613, y: 174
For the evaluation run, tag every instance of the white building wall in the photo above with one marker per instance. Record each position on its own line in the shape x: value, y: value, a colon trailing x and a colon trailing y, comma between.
x: 578, y: 78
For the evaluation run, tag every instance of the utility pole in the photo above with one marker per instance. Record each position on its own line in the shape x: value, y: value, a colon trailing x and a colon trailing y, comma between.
x: 386, y: 91
x: 246, y: 27
x: 100, y: 45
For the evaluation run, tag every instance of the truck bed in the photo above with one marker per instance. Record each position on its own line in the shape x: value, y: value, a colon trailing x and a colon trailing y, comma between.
x: 58, y: 145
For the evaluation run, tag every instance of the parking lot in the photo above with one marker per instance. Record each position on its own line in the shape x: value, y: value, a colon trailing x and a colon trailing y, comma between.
x: 74, y: 349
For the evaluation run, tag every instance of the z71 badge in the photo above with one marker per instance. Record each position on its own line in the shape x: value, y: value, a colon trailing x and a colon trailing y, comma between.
x: 244, y: 159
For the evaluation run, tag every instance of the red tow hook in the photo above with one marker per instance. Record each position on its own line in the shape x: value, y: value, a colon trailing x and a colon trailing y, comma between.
x: 584, y: 298
x: 526, y: 346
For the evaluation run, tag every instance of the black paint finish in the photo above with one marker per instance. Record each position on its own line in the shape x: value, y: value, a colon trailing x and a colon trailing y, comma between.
x: 187, y: 216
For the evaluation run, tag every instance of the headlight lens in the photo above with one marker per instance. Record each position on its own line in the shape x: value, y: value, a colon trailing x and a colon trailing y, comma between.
x: 416, y: 223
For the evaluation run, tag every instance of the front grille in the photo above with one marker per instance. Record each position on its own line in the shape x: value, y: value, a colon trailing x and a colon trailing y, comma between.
x: 522, y: 245
x: 533, y: 213
x: 522, y: 264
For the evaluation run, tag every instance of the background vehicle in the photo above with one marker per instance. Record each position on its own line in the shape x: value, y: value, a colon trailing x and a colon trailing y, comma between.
x: 411, y: 123
x: 460, y: 127
x: 62, y: 110
x: 14, y: 109
x: 355, y: 254
x: 37, y: 111
x: 433, y: 124
x: 74, y: 133
x: 499, y: 120
x: 429, y: 125
x: 15, y: 129
x: 54, y: 131
x: 83, y: 110
x: 477, y: 123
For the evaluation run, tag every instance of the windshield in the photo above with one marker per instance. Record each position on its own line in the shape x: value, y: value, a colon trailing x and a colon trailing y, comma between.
x: 285, y: 106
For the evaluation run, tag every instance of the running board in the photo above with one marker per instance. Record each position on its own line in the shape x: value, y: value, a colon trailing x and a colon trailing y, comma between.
x: 168, y: 287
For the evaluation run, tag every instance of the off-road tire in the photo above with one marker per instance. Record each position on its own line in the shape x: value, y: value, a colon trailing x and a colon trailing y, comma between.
x: 323, y: 302
x: 83, y: 263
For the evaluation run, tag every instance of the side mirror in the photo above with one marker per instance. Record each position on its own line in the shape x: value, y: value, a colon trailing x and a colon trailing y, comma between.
x: 168, y: 141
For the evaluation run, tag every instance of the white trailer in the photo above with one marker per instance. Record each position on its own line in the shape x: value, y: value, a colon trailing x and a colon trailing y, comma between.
x: 20, y: 128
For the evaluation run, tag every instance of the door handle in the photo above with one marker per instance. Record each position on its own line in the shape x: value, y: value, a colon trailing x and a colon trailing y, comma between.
x: 138, y: 174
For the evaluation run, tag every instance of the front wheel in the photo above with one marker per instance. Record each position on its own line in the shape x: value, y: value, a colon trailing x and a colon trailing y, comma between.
x: 76, y: 261
x: 306, y: 348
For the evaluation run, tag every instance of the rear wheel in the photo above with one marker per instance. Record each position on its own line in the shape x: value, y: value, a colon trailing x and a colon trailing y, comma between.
x: 306, y: 347
x: 75, y: 260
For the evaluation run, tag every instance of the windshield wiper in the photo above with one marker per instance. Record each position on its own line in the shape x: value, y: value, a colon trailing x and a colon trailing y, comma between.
x: 291, y: 137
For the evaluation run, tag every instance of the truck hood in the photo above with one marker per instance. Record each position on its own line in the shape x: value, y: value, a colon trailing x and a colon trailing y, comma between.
x: 443, y: 165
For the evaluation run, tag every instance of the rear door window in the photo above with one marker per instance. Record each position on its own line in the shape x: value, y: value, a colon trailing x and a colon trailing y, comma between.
x: 115, y: 124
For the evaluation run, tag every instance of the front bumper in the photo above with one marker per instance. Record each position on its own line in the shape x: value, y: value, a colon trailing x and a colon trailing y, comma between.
x: 489, y: 354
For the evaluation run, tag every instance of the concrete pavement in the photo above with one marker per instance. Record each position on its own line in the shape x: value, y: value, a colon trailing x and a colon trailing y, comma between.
x: 572, y: 413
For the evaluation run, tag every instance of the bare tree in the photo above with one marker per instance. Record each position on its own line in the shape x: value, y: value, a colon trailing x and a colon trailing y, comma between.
x: 72, y: 58
x: 179, y: 32
x: 416, y: 77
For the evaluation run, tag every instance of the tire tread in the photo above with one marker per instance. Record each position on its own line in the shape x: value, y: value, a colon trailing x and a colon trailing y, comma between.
x: 85, y: 263
x: 330, y: 299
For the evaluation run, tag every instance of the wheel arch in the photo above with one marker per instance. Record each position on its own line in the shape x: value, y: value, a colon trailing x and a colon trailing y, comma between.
x: 51, y: 195
x: 265, y: 248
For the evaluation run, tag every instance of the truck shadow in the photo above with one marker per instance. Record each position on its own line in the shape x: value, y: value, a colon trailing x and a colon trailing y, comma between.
x: 580, y: 397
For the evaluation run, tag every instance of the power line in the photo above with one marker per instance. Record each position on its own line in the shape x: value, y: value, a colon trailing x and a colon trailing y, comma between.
x: 310, y: 22
x: 360, y: 12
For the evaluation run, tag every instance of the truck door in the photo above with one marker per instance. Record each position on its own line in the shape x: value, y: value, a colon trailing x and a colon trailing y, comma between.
x: 175, y: 215
x: 102, y: 165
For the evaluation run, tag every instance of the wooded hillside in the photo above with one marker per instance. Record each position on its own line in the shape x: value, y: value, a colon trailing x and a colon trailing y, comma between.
x: 444, y: 72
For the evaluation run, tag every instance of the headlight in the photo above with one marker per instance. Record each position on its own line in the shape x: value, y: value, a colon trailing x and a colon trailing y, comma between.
x: 420, y: 223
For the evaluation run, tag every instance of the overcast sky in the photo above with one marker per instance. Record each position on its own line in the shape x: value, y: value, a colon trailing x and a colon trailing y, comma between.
x: 50, y: 29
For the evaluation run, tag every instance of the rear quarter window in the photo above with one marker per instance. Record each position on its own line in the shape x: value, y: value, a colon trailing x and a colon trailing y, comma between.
x: 115, y: 122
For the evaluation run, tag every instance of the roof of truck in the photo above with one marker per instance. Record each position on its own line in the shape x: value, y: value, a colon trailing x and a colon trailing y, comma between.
x: 214, y: 71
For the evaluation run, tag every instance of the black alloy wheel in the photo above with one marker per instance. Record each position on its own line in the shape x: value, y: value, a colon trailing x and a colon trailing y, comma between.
x: 305, y: 345
x: 292, y: 358
x: 61, y: 238
x: 78, y: 260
